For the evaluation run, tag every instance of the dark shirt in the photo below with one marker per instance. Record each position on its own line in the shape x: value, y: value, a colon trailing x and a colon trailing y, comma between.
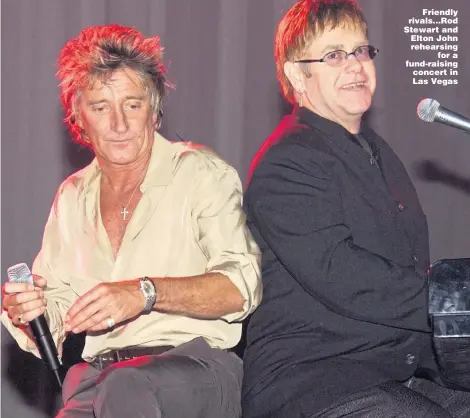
x: 344, y: 256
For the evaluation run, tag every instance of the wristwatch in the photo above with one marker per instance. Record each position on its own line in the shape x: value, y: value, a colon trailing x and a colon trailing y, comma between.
x: 148, y: 289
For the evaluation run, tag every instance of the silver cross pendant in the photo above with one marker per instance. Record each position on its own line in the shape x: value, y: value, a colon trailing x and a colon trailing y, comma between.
x: 124, y: 213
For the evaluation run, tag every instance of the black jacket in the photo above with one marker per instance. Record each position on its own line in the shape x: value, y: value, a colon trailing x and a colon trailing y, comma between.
x: 345, y: 253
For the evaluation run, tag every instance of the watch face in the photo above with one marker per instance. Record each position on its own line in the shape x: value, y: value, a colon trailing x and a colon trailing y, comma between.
x: 147, y: 287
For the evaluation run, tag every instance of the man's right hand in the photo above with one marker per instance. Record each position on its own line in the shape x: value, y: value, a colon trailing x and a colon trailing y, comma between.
x: 24, y: 302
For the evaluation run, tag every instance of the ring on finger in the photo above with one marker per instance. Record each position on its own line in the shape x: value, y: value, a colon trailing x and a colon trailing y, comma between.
x: 111, y: 322
x: 21, y: 320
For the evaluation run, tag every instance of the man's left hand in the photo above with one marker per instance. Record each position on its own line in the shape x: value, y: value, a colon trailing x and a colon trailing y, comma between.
x: 104, y: 306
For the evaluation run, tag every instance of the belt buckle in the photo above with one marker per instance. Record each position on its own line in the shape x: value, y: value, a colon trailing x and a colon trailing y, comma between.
x: 114, y: 356
x: 104, y: 360
x: 98, y: 362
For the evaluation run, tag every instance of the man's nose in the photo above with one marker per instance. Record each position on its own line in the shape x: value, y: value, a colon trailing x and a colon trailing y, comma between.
x: 119, y: 121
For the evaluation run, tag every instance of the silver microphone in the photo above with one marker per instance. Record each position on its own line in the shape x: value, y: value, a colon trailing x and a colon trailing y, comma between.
x: 430, y: 110
x: 20, y: 273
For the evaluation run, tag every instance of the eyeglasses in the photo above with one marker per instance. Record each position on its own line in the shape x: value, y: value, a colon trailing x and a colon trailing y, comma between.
x: 339, y: 57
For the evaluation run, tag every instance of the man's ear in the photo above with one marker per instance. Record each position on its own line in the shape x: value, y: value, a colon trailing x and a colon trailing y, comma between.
x: 157, y: 119
x: 79, y: 122
x: 295, y: 75
x: 77, y: 118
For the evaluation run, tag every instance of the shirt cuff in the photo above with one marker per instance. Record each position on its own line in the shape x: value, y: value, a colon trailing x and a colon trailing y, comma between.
x: 246, y: 279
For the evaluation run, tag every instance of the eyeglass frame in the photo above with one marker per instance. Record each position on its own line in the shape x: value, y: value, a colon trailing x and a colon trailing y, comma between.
x: 309, y: 61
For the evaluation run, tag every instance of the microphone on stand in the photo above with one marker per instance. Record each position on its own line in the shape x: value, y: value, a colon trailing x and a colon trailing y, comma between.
x: 20, y: 273
x: 430, y: 110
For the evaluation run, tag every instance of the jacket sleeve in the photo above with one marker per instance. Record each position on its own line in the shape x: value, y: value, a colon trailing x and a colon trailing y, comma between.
x: 295, y: 204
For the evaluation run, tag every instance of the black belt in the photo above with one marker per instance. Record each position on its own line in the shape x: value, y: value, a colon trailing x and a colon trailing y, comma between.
x: 115, y: 356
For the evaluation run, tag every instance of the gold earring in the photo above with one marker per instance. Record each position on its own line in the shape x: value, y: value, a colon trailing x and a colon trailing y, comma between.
x: 301, y: 102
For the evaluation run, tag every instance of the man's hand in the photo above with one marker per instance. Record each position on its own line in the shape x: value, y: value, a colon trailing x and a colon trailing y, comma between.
x: 104, y: 305
x: 24, y: 302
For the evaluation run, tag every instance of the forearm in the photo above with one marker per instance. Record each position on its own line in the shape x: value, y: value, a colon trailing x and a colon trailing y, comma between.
x: 352, y: 281
x: 375, y: 290
x: 207, y: 296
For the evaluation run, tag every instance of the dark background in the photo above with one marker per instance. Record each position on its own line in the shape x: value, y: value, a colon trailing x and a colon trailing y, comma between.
x: 220, y: 57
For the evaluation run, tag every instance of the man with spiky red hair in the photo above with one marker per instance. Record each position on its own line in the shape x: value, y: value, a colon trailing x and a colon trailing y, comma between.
x: 146, y: 249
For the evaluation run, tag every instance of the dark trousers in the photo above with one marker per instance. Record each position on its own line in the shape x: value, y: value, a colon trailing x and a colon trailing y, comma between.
x: 418, y: 398
x: 192, y: 380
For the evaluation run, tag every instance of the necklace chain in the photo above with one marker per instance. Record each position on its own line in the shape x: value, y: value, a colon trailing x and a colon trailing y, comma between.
x: 124, y: 211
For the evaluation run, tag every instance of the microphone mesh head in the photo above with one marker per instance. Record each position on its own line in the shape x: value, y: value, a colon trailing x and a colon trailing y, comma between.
x: 20, y: 273
x: 427, y: 109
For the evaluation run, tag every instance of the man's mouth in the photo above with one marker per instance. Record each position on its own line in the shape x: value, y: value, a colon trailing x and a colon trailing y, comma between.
x: 119, y: 141
x: 354, y: 86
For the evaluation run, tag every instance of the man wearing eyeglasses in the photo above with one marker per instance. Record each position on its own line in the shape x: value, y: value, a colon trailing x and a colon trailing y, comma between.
x: 343, y: 327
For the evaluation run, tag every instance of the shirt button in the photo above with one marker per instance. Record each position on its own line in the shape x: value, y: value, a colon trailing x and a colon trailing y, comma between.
x: 401, y: 207
x: 415, y: 258
x: 409, y: 359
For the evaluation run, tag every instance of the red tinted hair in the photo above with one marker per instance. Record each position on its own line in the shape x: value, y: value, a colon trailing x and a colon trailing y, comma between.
x: 98, y: 51
x: 302, y: 23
